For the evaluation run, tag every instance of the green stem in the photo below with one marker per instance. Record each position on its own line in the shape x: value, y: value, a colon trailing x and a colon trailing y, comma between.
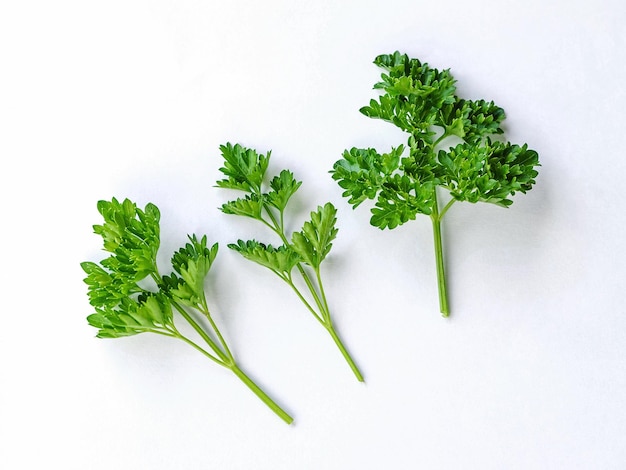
x: 441, y: 276
x: 202, y: 350
x: 310, y: 286
x: 207, y: 314
x: 202, y: 333
x: 304, y: 301
x: 445, y: 209
x: 345, y: 352
x: 327, y: 323
x: 320, y: 299
x: 280, y: 232
x: 443, y: 136
x: 326, y: 310
x: 262, y: 395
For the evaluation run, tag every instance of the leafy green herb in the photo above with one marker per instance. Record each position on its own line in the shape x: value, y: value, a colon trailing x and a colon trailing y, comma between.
x: 125, y: 307
x: 245, y: 171
x: 422, y: 101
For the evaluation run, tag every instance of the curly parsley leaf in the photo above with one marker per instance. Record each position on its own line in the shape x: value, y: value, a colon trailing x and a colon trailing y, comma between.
x: 362, y: 172
x: 422, y: 101
x: 399, y: 201
x: 489, y: 173
x: 414, y: 93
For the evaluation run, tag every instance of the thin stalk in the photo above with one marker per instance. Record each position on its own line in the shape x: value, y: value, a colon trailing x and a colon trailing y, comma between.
x: 230, y: 364
x: 320, y: 299
x: 345, y: 353
x: 441, y: 276
x: 262, y: 395
x: 332, y: 331
x: 278, y: 230
x: 202, y: 350
x: 207, y: 314
x: 226, y: 359
x: 310, y: 286
x: 326, y: 322
x: 304, y: 301
x: 326, y: 311
x: 441, y: 137
x: 445, y: 209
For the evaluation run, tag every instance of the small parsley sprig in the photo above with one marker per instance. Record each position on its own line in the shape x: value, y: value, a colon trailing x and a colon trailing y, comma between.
x: 422, y: 101
x: 124, y: 306
x: 245, y: 170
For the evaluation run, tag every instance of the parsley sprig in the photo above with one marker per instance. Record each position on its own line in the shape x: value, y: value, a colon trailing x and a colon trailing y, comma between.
x: 304, y: 252
x: 422, y: 101
x: 124, y: 306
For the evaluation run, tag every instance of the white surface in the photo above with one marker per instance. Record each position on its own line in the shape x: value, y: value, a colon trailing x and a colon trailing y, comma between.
x: 132, y: 99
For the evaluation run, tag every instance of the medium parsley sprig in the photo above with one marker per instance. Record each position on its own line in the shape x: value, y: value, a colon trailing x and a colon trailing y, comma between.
x: 422, y: 101
x: 124, y: 306
x: 245, y: 170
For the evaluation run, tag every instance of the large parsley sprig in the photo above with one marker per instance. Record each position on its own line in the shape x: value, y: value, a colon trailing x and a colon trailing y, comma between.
x: 124, y: 306
x: 422, y: 101
x: 245, y: 170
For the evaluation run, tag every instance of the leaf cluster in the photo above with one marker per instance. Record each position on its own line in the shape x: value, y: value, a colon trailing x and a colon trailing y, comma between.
x: 304, y: 250
x: 191, y: 265
x: 117, y: 285
x: 245, y: 170
x: 422, y: 101
x: 125, y: 307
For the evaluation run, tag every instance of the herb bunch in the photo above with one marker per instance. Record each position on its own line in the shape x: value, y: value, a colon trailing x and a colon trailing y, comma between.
x: 124, y: 306
x: 301, y: 254
x: 405, y: 181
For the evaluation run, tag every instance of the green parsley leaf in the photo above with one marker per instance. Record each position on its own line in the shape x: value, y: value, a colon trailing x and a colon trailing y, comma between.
x: 400, y: 200
x: 281, y: 260
x: 422, y: 101
x: 249, y: 206
x: 243, y: 167
x: 313, y: 243
x: 124, y: 308
x: 362, y: 172
x: 192, y: 263
x: 283, y: 187
x: 132, y: 235
x: 307, y: 248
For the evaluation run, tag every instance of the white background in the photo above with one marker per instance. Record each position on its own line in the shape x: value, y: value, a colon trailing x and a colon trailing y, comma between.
x: 132, y: 99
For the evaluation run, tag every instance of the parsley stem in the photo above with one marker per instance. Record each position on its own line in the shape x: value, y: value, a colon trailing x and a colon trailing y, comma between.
x: 226, y: 359
x: 326, y: 322
x: 319, y: 298
x: 262, y: 395
x: 202, y: 350
x: 281, y: 233
x: 205, y: 311
x: 326, y: 310
x: 333, y: 333
x: 229, y: 364
x: 441, y: 137
x: 304, y: 301
x: 445, y: 209
x: 311, y: 287
x: 441, y: 276
x: 344, y: 352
